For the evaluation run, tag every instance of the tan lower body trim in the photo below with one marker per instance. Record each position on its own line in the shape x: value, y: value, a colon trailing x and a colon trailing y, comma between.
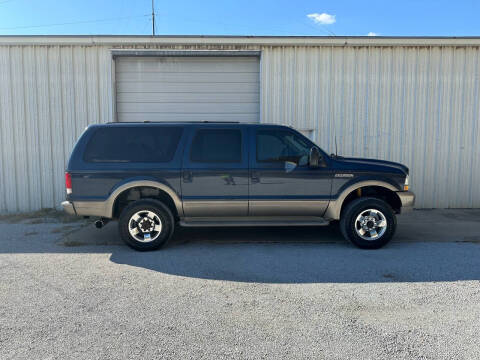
x: 287, y: 207
x: 196, y: 208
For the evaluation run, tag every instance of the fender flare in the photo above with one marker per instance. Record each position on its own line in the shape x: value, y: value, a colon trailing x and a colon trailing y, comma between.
x: 136, y: 183
x: 335, y: 206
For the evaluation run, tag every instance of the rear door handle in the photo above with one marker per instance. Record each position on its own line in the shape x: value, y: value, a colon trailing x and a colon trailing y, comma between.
x: 187, y: 176
x: 255, y: 178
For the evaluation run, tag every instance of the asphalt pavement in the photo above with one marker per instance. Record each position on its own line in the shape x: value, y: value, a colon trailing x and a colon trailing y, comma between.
x: 70, y: 291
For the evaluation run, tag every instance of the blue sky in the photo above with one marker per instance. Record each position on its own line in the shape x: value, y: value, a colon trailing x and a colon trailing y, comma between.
x: 247, y: 17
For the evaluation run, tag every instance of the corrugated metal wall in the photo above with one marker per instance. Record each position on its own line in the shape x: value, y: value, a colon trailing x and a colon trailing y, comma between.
x: 48, y: 95
x: 416, y: 105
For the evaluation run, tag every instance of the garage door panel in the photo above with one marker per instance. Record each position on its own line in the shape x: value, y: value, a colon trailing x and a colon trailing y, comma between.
x: 188, y: 88
x: 241, y: 64
x: 132, y: 87
x: 189, y: 77
x: 169, y: 97
x: 138, y: 117
x: 188, y: 108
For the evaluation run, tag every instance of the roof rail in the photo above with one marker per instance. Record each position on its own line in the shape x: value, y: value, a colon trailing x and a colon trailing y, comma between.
x: 174, y: 122
x: 186, y: 122
x: 219, y: 122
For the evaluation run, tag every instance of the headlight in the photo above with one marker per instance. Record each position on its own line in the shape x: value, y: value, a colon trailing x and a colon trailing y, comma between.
x: 405, y: 186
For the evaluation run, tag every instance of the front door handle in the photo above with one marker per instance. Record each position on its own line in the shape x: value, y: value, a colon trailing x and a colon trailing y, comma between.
x: 255, y: 178
x: 187, y: 176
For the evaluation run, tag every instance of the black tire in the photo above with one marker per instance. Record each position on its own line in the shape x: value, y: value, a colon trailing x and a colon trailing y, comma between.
x: 350, y: 214
x: 156, y: 207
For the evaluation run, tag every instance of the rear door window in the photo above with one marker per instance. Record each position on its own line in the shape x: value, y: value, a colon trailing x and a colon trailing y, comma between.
x: 217, y: 146
x: 133, y: 144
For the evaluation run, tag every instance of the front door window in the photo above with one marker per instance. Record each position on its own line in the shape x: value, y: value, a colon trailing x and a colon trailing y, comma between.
x: 281, y: 146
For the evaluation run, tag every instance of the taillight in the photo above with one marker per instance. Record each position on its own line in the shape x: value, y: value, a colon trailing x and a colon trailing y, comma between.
x: 68, y: 182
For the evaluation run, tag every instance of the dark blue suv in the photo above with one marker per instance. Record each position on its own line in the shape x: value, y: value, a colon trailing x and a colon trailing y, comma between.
x: 151, y: 176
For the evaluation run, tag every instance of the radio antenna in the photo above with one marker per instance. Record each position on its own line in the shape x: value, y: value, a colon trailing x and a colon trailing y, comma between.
x: 336, y: 150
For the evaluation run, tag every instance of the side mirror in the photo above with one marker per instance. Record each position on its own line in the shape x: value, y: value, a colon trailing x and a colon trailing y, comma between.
x: 290, y: 166
x: 314, y: 158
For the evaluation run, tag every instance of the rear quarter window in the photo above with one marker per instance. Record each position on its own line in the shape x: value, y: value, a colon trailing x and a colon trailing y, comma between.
x: 133, y: 144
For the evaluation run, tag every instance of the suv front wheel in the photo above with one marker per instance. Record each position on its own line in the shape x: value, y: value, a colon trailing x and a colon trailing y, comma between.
x: 146, y: 224
x: 368, y: 223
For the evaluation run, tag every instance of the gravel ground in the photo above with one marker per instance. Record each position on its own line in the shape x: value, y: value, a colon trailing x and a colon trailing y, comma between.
x: 69, y: 291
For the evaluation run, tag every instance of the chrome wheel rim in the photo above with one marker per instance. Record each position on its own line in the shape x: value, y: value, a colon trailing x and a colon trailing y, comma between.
x: 371, y: 224
x: 145, y: 226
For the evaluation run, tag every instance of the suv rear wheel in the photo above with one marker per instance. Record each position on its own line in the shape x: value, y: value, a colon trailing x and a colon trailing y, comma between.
x: 146, y: 224
x: 368, y: 223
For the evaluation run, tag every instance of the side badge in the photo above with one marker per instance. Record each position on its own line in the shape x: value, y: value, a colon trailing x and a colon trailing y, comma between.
x: 343, y: 175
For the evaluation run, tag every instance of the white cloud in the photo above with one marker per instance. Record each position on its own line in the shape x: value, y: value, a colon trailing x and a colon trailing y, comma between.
x: 371, y: 33
x: 323, y: 18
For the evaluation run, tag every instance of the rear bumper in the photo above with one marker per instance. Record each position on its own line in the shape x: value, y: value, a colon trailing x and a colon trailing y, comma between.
x: 86, y: 208
x: 68, y: 208
x: 408, y: 200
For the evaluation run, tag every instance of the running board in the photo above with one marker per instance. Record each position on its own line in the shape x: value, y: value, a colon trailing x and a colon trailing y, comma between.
x: 253, y: 221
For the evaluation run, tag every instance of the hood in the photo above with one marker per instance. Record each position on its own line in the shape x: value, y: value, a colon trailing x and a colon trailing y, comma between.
x: 371, y: 165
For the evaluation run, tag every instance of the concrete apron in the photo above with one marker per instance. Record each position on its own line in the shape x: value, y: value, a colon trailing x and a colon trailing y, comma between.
x: 456, y: 225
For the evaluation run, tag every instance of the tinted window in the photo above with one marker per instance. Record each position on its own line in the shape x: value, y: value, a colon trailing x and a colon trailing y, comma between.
x: 133, y: 144
x: 281, y: 146
x: 217, y: 146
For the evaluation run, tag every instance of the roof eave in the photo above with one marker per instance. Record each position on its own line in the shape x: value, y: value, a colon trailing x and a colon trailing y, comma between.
x: 168, y: 40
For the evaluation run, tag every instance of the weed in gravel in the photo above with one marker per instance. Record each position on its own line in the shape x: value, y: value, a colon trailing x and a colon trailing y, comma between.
x: 389, y: 276
x: 64, y: 229
x: 41, y: 217
x: 72, y: 243
x: 30, y: 233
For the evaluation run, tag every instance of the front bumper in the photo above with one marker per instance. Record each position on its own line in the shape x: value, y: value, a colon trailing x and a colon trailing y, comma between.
x: 408, y: 200
x: 68, y: 208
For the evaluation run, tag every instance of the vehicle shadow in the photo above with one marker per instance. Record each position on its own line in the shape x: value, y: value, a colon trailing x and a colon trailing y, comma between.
x: 282, y: 255
x: 304, y: 255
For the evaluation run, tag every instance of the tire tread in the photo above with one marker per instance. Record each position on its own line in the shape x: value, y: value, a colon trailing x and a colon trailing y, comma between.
x: 357, y: 205
x: 160, y: 209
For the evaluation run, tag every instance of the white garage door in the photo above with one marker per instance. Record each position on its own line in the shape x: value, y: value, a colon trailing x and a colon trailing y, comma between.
x: 187, y: 88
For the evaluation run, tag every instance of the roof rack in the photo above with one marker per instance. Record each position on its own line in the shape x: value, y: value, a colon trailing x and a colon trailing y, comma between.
x: 176, y: 122
x: 199, y: 121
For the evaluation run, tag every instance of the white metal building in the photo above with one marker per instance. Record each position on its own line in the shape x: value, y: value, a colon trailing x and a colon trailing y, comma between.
x: 412, y: 100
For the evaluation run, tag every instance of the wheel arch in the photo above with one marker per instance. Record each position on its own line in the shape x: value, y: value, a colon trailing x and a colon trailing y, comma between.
x: 172, y: 195
x: 335, y: 207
